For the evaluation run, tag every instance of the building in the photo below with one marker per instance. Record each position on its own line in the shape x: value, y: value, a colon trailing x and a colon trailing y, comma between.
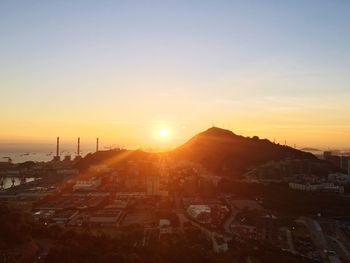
x: 339, y: 178
x: 91, y: 184
x: 132, y: 195
x: 118, y: 204
x: 219, y: 244
x: 165, y: 227
x: 340, y: 161
x: 257, y: 227
x: 105, y: 217
x: 153, y: 185
x: 324, y: 187
x: 100, y: 168
x: 244, y: 231
x: 67, y: 171
x: 268, y: 228
x: 201, y: 213
x: 43, y: 215
x: 64, y: 216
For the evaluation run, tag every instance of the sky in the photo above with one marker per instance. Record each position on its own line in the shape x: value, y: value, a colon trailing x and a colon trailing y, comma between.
x: 123, y: 70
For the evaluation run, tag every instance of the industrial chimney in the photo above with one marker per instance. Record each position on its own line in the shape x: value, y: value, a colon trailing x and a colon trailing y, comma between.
x: 58, y: 146
x: 57, y: 157
x: 97, y: 144
x: 78, y: 150
x: 78, y: 156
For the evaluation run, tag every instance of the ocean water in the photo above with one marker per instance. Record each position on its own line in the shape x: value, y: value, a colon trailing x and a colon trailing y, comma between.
x: 38, y: 152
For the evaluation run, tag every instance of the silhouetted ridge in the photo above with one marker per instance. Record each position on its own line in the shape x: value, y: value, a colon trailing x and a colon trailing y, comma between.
x: 215, y: 131
x: 113, y: 158
x: 224, y: 152
x: 219, y: 150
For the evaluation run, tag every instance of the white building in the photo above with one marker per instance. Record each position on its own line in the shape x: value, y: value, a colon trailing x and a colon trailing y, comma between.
x: 91, y: 184
x: 202, y: 213
x: 327, y: 187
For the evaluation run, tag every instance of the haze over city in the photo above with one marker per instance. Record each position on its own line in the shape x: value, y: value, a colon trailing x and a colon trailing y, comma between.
x: 124, y: 70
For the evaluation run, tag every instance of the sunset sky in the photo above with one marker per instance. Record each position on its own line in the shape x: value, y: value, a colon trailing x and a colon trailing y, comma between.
x: 123, y: 70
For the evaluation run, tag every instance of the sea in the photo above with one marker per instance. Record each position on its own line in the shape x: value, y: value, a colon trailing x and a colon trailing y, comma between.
x: 19, y: 153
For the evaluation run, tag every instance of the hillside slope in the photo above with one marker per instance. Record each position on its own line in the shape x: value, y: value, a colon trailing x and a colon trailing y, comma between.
x: 220, y: 151
x: 224, y: 152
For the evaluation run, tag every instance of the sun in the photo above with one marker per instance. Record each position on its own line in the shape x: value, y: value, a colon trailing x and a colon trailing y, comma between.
x: 163, y: 132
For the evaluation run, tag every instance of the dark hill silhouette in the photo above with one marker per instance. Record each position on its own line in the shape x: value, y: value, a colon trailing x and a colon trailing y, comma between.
x: 113, y: 158
x: 220, y: 151
x: 224, y: 152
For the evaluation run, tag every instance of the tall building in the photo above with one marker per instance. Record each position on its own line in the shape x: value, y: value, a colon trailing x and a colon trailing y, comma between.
x: 153, y: 185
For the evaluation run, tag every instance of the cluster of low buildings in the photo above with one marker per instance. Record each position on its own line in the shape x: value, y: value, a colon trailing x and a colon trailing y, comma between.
x: 209, y: 212
x: 334, y: 183
x: 340, y: 160
x: 101, y: 211
x: 323, y: 187
x: 201, y: 213
x: 339, y: 178
x: 112, y: 198
x: 76, y: 210
x: 249, y: 220
x: 87, y: 185
x: 32, y: 181
x: 101, y: 197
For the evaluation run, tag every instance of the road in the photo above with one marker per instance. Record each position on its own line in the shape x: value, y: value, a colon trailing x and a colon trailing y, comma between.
x: 319, y: 238
x: 229, y: 220
x: 290, y: 240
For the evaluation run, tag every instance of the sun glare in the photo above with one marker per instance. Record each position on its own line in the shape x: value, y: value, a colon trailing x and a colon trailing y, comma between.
x: 163, y: 132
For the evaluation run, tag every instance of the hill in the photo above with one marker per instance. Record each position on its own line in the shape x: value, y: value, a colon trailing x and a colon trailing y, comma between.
x: 226, y: 153
x: 220, y: 151
x: 113, y: 158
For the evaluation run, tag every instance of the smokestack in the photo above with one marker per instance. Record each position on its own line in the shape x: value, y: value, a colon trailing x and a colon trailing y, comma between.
x: 78, y: 150
x: 348, y: 165
x: 97, y: 144
x: 58, y: 146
